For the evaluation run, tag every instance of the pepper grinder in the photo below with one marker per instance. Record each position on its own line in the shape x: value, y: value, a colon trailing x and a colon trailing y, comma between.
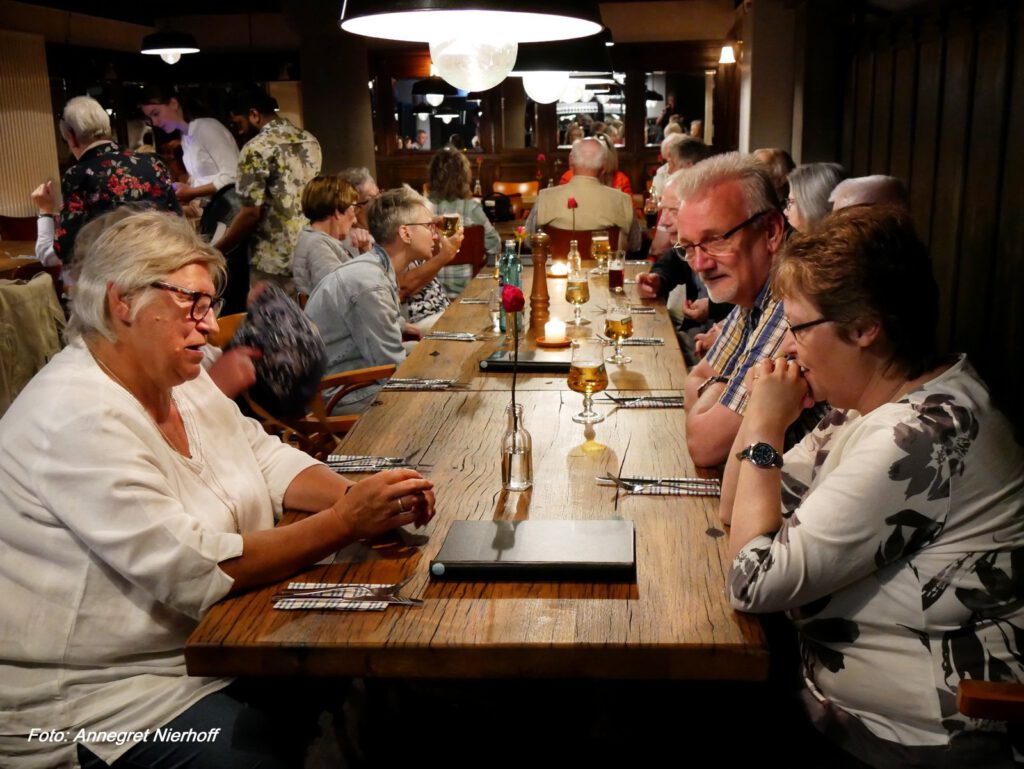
x: 540, y: 301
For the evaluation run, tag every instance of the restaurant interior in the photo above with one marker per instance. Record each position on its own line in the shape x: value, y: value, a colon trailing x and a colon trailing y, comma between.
x: 929, y: 91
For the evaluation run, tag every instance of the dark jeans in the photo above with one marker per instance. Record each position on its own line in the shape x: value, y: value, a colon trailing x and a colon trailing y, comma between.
x: 264, y: 724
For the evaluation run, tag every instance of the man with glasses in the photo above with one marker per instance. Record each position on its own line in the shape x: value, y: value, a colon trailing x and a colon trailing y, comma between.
x: 730, y: 228
x: 358, y: 306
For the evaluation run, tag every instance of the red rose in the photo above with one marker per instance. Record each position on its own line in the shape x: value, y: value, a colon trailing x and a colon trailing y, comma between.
x: 573, y: 203
x: 541, y: 158
x: 512, y: 299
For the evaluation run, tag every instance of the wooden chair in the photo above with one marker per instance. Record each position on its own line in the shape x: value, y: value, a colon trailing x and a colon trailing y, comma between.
x: 515, y: 191
x: 560, y: 240
x: 17, y: 228
x: 992, y: 700
x: 319, y: 432
x: 472, y: 249
x: 227, y: 325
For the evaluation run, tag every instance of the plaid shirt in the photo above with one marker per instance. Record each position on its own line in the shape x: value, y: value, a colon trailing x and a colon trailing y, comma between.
x: 748, y: 337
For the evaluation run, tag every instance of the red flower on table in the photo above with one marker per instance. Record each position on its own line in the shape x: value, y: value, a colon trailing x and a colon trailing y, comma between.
x: 512, y: 299
x: 573, y: 204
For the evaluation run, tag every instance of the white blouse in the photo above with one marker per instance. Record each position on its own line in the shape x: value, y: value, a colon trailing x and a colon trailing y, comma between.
x: 110, y: 545
x: 210, y: 153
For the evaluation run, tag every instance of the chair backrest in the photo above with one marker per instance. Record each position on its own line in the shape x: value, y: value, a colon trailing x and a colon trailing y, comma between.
x: 31, y: 326
x: 560, y: 240
x: 472, y: 249
x: 516, y: 188
x: 30, y: 270
x: 227, y: 325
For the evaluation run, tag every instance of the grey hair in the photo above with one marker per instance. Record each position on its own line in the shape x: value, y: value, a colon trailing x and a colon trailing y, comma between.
x: 84, y: 117
x: 131, y: 254
x: 357, y: 177
x: 758, y: 192
x: 393, y: 208
x: 670, y: 146
x: 581, y: 155
x: 876, y: 190
x: 810, y: 185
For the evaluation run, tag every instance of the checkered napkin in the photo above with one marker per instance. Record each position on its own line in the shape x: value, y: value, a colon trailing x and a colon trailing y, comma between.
x: 485, y: 275
x: 643, y: 341
x: 641, y: 309
x: 419, y: 384
x: 475, y: 301
x: 334, y: 604
x: 694, y: 487
x: 653, y: 402
x: 358, y: 463
x: 451, y: 336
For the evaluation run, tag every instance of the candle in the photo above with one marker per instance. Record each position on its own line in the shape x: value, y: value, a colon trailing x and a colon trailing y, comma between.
x: 559, y: 268
x: 554, y: 331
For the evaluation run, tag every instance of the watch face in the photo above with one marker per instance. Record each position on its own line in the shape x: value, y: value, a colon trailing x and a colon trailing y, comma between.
x: 762, y: 455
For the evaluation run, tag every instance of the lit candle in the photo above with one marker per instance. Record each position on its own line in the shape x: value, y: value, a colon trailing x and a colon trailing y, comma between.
x: 559, y: 268
x: 554, y: 331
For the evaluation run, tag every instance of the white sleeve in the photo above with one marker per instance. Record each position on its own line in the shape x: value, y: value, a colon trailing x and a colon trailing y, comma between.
x: 45, y: 227
x: 218, y: 143
x: 863, y: 516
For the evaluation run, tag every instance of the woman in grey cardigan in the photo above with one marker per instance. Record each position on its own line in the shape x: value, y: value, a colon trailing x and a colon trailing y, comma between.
x: 328, y: 203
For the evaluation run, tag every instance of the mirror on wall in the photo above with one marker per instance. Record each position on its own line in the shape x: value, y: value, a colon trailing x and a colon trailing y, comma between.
x: 429, y: 121
x: 681, y: 98
x: 593, y: 103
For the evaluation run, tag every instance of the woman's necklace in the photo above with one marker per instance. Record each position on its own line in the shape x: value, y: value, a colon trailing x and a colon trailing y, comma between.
x: 116, y: 378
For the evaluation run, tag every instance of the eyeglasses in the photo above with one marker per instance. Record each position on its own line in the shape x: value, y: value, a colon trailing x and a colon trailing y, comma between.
x: 202, y: 302
x: 431, y: 225
x: 716, y: 247
x: 794, y: 330
x: 790, y: 203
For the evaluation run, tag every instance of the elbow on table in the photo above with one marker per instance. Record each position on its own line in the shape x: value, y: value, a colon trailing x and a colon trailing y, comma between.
x: 703, y: 451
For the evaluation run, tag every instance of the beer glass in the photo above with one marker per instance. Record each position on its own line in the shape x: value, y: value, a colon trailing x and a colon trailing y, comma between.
x: 618, y: 326
x: 616, y: 273
x: 577, y: 293
x: 600, y: 249
x: 449, y: 224
x: 587, y: 375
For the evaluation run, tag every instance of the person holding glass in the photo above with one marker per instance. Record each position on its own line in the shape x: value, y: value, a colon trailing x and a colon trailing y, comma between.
x: 451, y: 177
x: 891, y: 534
x: 134, y: 496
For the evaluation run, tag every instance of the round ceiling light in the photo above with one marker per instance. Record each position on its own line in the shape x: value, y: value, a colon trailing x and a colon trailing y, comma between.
x: 474, y: 63
x: 545, y: 87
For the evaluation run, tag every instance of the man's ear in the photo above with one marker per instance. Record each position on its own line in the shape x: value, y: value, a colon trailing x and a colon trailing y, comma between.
x: 776, y: 231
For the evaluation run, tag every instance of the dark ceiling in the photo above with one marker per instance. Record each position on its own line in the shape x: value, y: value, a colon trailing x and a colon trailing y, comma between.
x: 147, y: 13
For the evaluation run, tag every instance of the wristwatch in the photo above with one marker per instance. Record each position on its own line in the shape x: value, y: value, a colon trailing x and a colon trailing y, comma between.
x: 761, y: 455
x: 710, y: 381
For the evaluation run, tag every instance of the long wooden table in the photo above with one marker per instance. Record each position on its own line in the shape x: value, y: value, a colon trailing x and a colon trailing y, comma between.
x: 14, y: 254
x: 673, y: 623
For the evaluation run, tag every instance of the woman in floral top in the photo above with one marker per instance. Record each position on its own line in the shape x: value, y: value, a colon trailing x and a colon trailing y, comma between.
x: 892, y: 534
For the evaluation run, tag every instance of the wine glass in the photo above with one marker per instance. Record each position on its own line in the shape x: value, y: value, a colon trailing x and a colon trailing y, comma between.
x: 587, y: 375
x: 600, y: 248
x: 618, y: 326
x: 577, y: 293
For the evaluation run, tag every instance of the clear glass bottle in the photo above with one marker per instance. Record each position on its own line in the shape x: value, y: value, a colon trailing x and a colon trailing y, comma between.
x: 511, y: 270
x: 478, y: 191
x: 574, y: 257
x: 516, y: 452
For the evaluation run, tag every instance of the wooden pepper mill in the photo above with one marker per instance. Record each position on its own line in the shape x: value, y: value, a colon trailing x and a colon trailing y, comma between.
x: 540, y: 302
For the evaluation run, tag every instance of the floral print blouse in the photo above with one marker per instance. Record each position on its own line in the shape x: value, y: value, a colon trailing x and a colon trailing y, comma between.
x: 901, y: 559
x: 104, y: 178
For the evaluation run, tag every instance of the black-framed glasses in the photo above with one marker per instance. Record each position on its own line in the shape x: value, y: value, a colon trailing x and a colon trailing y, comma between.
x: 790, y: 203
x: 717, y: 246
x: 202, y: 302
x: 794, y: 330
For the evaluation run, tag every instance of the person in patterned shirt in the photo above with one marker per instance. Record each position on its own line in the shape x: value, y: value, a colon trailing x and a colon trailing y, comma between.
x: 274, y: 167
x: 103, y: 178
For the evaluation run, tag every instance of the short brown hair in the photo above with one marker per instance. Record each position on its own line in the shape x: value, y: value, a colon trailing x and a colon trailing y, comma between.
x: 450, y: 175
x: 867, y: 263
x: 326, y: 194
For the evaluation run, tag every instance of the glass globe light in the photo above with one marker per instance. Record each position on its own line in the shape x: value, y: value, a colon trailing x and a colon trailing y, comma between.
x: 474, y: 63
x: 434, y: 99
x: 572, y: 92
x: 545, y: 87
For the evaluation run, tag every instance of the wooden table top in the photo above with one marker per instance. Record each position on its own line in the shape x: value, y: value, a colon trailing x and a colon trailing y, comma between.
x: 674, y: 622
x: 11, y: 253
x: 653, y: 368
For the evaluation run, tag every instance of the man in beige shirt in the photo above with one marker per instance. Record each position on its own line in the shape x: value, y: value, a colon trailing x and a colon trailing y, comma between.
x: 598, y: 206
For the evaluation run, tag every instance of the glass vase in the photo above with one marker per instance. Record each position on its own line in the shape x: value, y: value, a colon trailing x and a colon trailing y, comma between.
x: 516, y: 452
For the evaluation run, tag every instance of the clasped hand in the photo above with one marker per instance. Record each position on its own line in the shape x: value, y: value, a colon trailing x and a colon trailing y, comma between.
x: 385, y: 501
x: 778, y: 392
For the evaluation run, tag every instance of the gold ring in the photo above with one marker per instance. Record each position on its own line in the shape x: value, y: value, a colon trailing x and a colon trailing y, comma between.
x: 401, y: 507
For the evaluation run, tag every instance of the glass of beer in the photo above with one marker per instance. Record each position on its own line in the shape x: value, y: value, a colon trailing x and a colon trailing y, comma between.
x: 449, y: 224
x: 616, y: 273
x: 587, y: 375
x: 577, y: 293
x: 618, y: 326
x: 600, y: 249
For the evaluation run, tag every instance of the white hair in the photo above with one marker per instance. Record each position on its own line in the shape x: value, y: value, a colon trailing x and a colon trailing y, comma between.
x: 85, y: 117
x: 758, y: 192
x: 588, y: 154
x: 810, y: 185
